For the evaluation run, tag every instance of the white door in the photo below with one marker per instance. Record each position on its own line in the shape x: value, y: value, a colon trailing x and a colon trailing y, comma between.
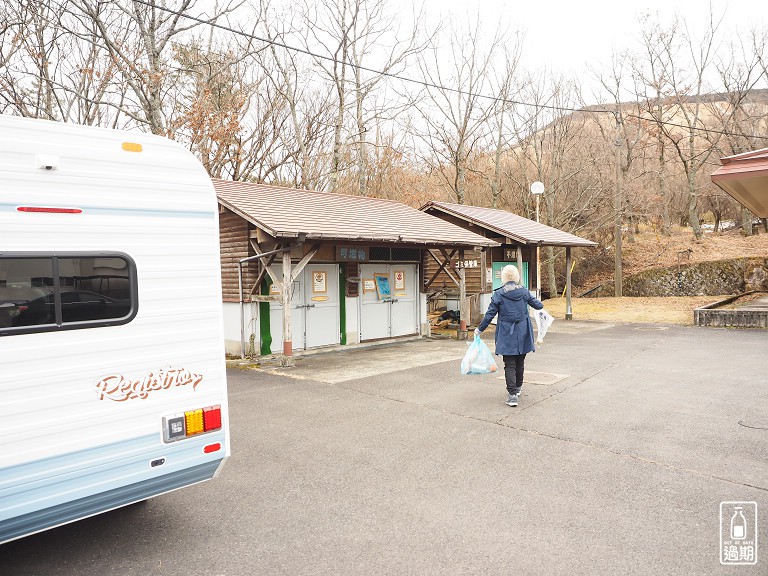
x: 389, y: 301
x: 321, y: 305
x: 314, y: 310
x: 404, y: 311
x: 374, y: 311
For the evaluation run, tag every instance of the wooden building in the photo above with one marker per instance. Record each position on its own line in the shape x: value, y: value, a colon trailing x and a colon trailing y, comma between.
x: 304, y: 269
x: 517, y: 239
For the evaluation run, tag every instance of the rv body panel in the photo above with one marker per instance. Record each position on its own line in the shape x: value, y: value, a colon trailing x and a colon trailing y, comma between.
x: 86, y: 403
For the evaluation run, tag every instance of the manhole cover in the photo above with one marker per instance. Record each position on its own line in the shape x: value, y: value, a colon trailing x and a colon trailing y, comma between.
x: 540, y: 378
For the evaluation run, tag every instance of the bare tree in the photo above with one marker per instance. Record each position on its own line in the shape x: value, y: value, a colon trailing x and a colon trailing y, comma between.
x: 331, y: 24
x: 652, y: 72
x: 625, y: 131
x: 553, y: 152
x: 740, y: 113
x: 347, y: 35
x: 454, y: 113
x: 506, y: 87
x: 138, y: 37
x: 684, y: 126
x: 33, y: 42
x: 373, y: 29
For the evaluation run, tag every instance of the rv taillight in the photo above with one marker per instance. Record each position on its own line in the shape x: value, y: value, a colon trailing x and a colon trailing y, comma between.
x: 212, y: 418
x: 194, y: 421
x: 48, y: 209
x: 191, y: 423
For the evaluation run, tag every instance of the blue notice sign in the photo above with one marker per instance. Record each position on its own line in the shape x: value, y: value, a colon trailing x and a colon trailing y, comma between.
x: 382, y: 286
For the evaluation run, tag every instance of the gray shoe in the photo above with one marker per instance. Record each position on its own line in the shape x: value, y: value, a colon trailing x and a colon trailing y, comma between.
x: 512, y: 400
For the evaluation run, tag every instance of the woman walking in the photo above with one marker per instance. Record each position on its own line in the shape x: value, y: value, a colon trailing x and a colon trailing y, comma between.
x: 514, y: 331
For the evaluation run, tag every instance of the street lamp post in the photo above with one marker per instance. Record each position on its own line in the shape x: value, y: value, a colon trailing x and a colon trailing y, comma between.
x: 537, y: 189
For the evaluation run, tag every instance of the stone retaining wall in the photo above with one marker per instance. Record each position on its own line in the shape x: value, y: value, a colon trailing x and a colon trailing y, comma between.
x: 699, y: 279
x: 715, y: 315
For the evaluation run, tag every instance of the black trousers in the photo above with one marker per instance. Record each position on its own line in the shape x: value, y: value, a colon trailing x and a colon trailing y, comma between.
x: 514, y: 366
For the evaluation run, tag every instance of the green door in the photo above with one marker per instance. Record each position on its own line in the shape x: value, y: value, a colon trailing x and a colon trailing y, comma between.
x: 497, y: 266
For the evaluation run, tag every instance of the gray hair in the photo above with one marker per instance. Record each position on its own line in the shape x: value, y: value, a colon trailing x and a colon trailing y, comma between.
x: 509, y: 274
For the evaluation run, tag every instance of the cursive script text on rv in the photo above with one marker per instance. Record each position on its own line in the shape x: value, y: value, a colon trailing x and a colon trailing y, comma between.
x: 120, y: 388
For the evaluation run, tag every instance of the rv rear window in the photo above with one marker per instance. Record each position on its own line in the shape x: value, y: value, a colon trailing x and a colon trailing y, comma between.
x: 40, y: 293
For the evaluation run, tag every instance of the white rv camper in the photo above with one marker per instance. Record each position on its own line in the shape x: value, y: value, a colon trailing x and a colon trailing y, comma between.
x: 112, y: 375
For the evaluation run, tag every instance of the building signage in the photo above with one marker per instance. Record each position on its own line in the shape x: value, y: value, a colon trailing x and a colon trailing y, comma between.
x: 351, y: 254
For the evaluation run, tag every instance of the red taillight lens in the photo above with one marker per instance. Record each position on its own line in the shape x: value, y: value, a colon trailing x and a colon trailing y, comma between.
x: 49, y: 209
x: 212, y: 418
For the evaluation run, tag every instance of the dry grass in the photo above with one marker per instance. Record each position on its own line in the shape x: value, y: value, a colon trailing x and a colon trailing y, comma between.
x: 667, y: 309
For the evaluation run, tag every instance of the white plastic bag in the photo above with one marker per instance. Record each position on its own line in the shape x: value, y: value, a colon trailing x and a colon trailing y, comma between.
x: 478, y: 359
x: 543, y: 322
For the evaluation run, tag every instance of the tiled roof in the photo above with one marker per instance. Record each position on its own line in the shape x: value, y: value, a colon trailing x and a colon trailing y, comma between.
x: 509, y: 225
x: 745, y: 177
x: 287, y: 212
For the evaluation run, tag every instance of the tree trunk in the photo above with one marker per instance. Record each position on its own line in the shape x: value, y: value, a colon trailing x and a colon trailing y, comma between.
x: 617, y: 206
x: 496, y: 182
x: 362, y: 160
x: 746, y: 222
x: 551, y: 279
x: 461, y: 176
x: 693, y: 215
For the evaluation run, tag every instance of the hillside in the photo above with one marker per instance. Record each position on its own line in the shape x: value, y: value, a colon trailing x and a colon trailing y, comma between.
x: 652, y: 250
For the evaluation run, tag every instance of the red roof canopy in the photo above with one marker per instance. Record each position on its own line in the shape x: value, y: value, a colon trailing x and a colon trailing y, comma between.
x: 745, y: 178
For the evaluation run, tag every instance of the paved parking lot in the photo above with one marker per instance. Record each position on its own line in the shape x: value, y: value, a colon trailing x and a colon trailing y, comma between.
x: 386, y: 461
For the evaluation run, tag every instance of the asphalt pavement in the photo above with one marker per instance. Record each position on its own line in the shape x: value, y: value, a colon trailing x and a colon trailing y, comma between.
x: 385, y: 460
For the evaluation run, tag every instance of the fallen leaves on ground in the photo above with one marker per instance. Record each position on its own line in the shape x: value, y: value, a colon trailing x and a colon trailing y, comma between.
x: 665, y: 309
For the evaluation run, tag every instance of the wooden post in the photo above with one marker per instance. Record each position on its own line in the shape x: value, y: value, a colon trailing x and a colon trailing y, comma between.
x: 483, y: 275
x: 287, y: 287
x: 568, y: 311
x: 463, y: 308
x: 520, y: 266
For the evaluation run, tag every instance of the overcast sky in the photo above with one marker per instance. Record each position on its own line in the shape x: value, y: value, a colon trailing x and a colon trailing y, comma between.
x: 564, y: 35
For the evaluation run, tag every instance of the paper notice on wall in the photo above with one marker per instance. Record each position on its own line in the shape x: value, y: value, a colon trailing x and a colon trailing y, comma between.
x: 319, y: 283
x: 399, y: 280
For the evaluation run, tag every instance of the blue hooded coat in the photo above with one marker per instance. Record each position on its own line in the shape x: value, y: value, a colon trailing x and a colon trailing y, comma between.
x: 514, y: 331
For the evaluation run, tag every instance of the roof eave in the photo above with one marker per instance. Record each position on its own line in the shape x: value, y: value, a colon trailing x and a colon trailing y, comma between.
x: 500, y: 231
x: 246, y: 216
x: 507, y: 233
x: 387, y: 240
